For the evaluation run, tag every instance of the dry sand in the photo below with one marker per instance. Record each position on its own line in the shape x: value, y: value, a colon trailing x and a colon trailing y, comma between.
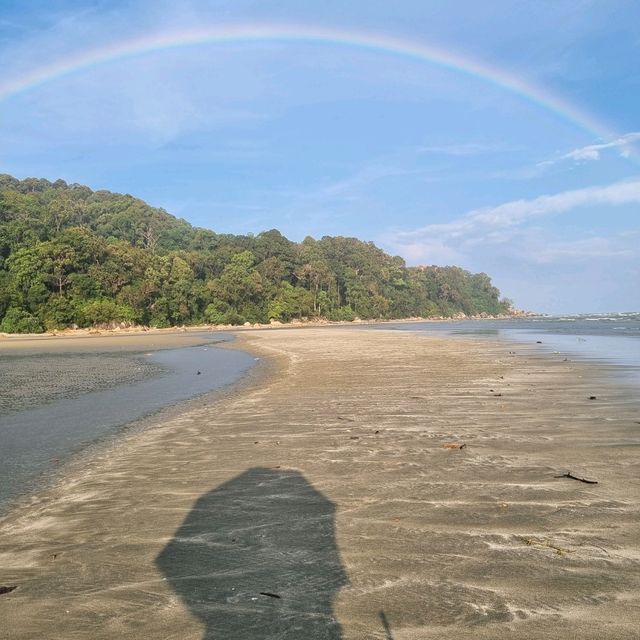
x: 111, y: 342
x: 329, y: 482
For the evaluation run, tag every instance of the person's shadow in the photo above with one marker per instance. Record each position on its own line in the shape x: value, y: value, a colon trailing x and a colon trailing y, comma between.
x: 256, y: 558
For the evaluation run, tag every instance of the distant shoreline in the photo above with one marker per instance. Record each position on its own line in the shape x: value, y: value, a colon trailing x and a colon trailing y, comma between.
x: 137, y: 329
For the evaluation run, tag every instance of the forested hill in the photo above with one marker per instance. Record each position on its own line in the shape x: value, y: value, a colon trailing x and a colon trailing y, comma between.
x: 70, y: 256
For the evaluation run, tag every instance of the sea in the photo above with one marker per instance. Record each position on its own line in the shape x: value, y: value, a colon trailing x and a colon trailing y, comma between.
x: 604, y: 338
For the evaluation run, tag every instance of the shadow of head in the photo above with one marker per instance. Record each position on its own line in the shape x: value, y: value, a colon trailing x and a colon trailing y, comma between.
x: 257, y: 558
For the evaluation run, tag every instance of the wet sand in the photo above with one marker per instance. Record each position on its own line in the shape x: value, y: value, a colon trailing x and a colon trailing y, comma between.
x: 32, y: 381
x: 78, y: 393
x: 111, y: 342
x: 332, y: 481
x: 38, y: 370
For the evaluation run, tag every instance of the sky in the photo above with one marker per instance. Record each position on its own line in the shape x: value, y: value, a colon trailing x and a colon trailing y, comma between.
x: 500, y: 136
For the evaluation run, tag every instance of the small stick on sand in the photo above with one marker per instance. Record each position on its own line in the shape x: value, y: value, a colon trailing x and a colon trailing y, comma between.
x: 387, y: 628
x: 570, y: 475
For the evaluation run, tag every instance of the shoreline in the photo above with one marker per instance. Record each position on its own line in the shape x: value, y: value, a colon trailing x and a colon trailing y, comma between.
x: 67, y: 399
x: 81, y: 461
x: 294, y: 324
x: 437, y: 539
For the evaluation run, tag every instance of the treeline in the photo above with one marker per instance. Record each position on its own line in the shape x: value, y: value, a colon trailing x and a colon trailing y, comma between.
x: 70, y: 256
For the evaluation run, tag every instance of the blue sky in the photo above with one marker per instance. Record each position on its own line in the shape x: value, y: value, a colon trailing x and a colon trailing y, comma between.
x: 432, y: 163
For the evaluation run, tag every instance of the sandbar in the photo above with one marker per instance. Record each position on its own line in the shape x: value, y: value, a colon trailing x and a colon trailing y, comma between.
x: 367, y: 484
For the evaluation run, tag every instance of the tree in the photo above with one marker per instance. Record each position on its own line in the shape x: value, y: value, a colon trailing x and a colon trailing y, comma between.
x: 73, y: 256
x: 240, y: 286
x: 20, y: 321
x: 290, y: 302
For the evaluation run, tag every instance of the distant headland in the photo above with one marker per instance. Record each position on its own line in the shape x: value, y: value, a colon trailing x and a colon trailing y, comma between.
x: 73, y: 258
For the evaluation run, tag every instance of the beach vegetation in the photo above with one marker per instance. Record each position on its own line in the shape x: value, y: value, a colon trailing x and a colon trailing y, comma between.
x: 73, y: 257
x: 20, y: 321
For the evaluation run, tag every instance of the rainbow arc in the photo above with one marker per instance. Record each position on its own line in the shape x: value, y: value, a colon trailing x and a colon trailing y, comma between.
x: 291, y: 33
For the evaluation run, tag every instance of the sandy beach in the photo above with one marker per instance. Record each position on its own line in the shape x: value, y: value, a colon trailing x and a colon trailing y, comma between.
x: 363, y: 484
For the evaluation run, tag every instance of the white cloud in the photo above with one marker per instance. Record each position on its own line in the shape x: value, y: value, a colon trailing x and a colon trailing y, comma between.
x: 360, y: 181
x: 435, y: 250
x: 464, y: 149
x: 625, y: 145
x: 508, y: 228
x: 587, y: 248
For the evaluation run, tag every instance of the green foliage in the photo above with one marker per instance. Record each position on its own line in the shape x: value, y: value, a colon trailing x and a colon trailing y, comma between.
x: 290, y: 302
x: 221, y: 313
x: 60, y: 312
x: 20, y: 321
x: 342, y: 314
x: 106, y: 312
x: 70, y: 256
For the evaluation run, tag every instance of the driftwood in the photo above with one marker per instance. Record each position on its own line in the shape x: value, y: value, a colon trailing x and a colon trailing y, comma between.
x: 385, y: 624
x: 570, y: 475
x: 270, y: 595
x: 544, y: 543
x: 7, y: 589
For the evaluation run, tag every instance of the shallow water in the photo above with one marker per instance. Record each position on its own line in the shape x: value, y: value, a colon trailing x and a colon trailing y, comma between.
x: 605, y: 338
x: 36, y: 440
x: 30, y: 381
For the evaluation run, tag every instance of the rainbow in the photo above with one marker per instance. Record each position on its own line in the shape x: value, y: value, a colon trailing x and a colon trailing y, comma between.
x: 291, y: 33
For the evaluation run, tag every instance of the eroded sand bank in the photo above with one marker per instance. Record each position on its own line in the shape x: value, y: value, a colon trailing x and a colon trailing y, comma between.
x: 329, y: 483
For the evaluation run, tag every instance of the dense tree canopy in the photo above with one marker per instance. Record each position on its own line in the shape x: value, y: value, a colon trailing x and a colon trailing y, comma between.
x: 70, y: 256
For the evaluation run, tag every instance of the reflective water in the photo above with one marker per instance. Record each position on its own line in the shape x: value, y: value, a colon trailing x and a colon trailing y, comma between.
x: 37, y: 440
x: 607, y: 338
